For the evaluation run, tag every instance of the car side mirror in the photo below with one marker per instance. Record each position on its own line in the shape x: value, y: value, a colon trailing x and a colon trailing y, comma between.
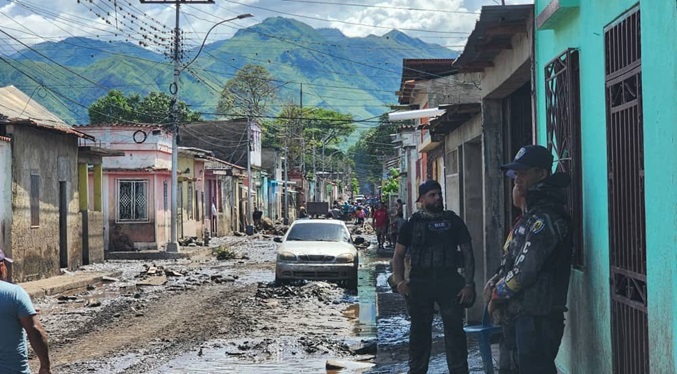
x: 277, y: 239
x: 359, y: 240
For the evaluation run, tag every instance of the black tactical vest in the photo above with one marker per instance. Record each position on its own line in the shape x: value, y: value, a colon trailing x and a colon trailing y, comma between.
x: 433, y: 242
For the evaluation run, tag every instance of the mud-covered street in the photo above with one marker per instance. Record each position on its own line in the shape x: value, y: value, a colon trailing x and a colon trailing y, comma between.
x: 203, y: 315
x: 226, y: 315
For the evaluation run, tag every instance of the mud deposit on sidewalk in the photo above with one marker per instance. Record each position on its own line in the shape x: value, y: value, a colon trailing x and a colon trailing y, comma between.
x: 207, y: 316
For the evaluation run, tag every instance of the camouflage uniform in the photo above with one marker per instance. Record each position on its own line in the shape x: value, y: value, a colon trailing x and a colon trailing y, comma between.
x: 535, y: 273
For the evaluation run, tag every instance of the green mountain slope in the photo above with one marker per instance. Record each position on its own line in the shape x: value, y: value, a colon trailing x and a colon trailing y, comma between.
x: 358, y: 76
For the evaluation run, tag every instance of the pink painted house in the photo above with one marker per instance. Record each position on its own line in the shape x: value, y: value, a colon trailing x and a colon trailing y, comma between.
x: 136, y: 186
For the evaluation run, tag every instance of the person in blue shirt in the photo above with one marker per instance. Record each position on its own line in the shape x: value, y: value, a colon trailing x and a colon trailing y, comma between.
x: 16, y: 315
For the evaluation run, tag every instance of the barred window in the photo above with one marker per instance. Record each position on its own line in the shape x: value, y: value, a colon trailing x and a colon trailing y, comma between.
x: 563, y: 121
x: 132, y: 200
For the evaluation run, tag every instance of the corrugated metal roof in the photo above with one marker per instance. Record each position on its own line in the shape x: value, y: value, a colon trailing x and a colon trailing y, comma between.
x: 18, y: 108
x: 492, y: 34
x: 123, y: 124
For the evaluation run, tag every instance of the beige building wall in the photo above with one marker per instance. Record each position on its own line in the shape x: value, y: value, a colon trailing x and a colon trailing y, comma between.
x: 52, y: 157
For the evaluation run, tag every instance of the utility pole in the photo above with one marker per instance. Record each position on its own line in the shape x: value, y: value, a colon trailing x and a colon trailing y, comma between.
x: 250, y: 228
x: 286, y: 180
x: 173, y: 244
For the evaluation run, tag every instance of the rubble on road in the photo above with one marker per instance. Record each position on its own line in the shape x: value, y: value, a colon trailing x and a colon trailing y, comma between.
x: 158, y: 271
x: 190, y: 241
x: 322, y: 291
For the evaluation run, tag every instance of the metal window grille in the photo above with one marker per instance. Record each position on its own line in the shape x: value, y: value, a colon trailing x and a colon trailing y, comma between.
x: 35, y: 200
x: 563, y: 123
x: 132, y: 200
x: 627, y: 224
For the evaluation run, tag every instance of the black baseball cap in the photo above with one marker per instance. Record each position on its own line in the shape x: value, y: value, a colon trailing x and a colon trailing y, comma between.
x: 428, y: 186
x: 530, y: 156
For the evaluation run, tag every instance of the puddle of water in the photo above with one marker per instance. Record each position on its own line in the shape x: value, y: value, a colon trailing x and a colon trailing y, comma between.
x: 366, y: 298
x: 275, y: 356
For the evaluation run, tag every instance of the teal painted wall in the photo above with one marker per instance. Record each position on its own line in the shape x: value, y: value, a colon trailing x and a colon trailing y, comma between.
x: 586, y: 347
x: 659, y: 77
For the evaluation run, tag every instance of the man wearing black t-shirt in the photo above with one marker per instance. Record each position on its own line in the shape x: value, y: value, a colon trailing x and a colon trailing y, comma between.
x: 432, y: 238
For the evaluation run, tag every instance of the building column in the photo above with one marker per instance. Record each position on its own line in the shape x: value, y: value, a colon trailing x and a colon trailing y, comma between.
x: 98, y: 188
x: 83, y: 186
x: 494, y: 182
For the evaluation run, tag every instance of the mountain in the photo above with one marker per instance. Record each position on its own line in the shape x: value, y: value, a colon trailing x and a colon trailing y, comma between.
x: 349, y: 75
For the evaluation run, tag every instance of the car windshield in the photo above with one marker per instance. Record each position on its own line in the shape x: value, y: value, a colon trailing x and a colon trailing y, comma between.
x: 326, y: 232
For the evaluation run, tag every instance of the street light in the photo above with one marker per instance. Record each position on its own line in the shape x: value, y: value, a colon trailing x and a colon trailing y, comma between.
x: 241, y: 16
x: 173, y: 244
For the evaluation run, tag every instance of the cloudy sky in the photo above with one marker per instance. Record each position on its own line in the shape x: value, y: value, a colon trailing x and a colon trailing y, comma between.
x: 445, y: 22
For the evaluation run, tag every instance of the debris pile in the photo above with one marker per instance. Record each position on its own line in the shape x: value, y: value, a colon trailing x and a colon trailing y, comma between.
x: 321, y: 291
x: 191, y: 241
x: 157, y: 271
x: 323, y: 345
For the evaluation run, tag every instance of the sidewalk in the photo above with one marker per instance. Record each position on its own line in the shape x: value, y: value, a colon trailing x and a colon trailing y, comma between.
x: 63, y: 283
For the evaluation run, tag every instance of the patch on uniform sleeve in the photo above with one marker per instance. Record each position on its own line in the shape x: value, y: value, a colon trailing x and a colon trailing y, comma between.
x: 537, y: 226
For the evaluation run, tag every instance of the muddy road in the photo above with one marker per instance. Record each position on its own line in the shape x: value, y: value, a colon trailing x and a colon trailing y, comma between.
x: 205, y: 316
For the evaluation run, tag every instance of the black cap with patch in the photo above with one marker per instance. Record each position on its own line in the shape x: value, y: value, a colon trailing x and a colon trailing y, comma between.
x: 530, y: 156
x: 428, y: 186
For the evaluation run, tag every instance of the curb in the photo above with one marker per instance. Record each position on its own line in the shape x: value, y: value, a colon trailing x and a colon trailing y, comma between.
x: 63, y: 283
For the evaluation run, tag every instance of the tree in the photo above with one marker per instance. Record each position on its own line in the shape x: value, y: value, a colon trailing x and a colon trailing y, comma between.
x: 392, y: 184
x: 306, y: 131
x: 372, y: 149
x: 248, y: 94
x: 115, y: 107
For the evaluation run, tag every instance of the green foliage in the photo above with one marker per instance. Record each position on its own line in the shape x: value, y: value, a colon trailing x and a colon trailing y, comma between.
x: 392, y: 184
x: 305, y: 131
x: 223, y: 253
x: 115, y: 107
x: 354, y: 186
x: 249, y: 93
x: 373, y: 149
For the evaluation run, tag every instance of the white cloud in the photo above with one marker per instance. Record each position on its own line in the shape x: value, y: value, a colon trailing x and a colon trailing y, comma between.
x: 432, y: 20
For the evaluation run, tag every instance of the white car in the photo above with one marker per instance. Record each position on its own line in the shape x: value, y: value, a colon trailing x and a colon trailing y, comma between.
x: 317, y: 249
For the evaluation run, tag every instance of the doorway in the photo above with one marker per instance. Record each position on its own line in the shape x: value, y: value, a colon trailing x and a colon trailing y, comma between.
x: 627, y: 222
x: 63, y: 224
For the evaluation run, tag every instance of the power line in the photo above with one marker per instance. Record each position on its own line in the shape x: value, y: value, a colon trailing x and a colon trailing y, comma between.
x: 436, y: 10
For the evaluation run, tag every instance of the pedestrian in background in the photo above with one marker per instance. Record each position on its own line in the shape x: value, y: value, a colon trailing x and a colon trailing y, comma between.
x: 432, y: 238
x: 535, y: 283
x: 16, y: 315
x: 380, y: 222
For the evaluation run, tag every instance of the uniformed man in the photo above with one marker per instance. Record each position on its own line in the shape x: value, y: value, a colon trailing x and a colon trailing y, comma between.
x: 534, y: 279
x: 431, y: 239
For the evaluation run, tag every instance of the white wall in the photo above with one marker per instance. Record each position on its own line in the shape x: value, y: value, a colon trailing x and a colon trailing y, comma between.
x: 154, y: 152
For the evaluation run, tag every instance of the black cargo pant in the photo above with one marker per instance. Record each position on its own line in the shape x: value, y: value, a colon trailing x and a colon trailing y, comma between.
x: 538, y: 339
x: 427, y: 287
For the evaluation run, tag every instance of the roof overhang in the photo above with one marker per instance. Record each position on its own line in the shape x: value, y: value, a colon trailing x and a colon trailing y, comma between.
x: 414, y: 70
x: 455, y: 116
x: 492, y: 34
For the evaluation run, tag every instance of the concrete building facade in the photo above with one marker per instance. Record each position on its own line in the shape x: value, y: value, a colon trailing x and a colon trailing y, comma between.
x: 606, y: 71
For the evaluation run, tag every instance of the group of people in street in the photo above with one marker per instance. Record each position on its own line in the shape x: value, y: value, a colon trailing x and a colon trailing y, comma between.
x: 527, y: 293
